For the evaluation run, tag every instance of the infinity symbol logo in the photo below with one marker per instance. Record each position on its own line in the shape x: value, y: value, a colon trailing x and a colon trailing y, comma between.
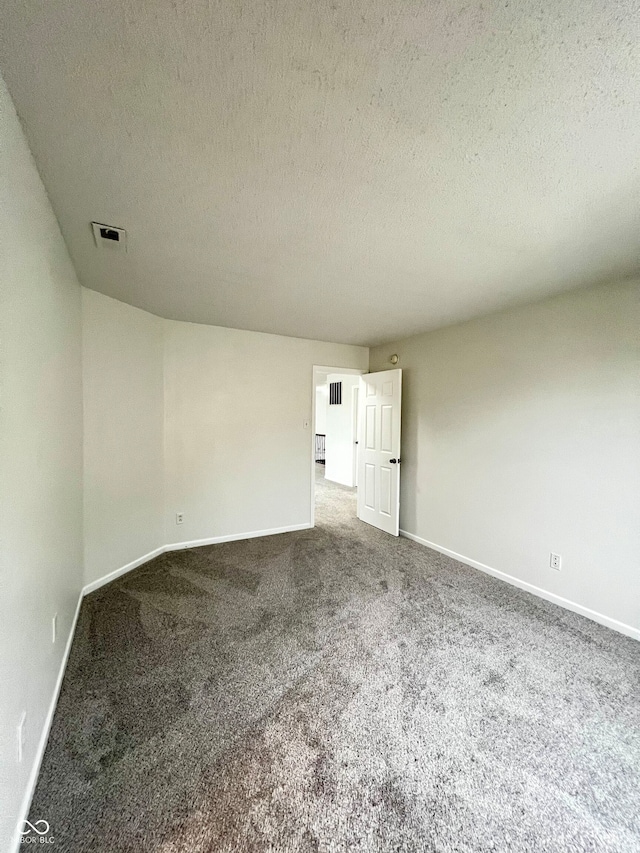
x: 34, y: 827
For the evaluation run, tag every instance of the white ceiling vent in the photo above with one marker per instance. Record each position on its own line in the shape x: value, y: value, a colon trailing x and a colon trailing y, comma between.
x: 109, y: 237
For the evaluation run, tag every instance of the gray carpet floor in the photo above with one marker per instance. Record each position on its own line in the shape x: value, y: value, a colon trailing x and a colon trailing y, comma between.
x: 337, y: 689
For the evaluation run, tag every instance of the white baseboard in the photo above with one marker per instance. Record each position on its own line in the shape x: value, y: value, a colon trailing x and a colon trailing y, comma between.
x: 44, y: 735
x: 234, y: 537
x: 621, y: 627
x: 105, y: 579
x: 179, y: 546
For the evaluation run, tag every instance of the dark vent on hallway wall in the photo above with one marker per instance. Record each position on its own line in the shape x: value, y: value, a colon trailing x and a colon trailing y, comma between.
x: 335, y: 393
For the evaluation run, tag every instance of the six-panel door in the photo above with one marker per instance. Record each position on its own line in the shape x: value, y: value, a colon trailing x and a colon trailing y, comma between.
x: 379, y: 450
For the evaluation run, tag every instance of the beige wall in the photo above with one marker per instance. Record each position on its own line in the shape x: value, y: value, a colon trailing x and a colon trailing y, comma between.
x: 521, y: 436
x: 41, y: 452
x: 200, y: 420
x: 238, y: 458
x: 123, y: 434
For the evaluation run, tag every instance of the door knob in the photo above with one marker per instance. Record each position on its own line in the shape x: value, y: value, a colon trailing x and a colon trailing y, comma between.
x: 393, y: 461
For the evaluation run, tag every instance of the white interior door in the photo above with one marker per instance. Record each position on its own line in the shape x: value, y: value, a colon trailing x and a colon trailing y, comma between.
x: 379, y: 450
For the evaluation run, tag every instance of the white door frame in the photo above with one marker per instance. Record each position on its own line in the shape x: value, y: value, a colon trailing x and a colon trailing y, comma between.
x: 355, y: 397
x: 317, y: 369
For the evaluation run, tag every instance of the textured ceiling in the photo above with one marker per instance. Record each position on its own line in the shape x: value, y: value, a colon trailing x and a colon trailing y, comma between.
x: 349, y: 170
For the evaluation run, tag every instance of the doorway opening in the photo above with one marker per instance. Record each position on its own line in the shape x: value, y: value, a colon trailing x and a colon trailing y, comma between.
x: 334, y: 447
x: 361, y: 443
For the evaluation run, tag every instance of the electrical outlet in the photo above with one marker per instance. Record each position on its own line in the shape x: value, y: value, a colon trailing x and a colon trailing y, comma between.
x: 22, y: 725
x: 54, y: 628
x: 179, y: 518
x: 555, y: 561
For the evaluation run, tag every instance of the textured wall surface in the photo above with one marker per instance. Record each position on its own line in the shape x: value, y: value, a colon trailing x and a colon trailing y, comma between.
x: 521, y: 436
x: 201, y: 420
x: 237, y: 453
x: 351, y: 171
x: 123, y: 382
x: 41, y: 459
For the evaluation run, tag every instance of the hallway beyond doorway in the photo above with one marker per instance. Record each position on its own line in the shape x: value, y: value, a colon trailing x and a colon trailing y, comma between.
x: 335, y: 504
